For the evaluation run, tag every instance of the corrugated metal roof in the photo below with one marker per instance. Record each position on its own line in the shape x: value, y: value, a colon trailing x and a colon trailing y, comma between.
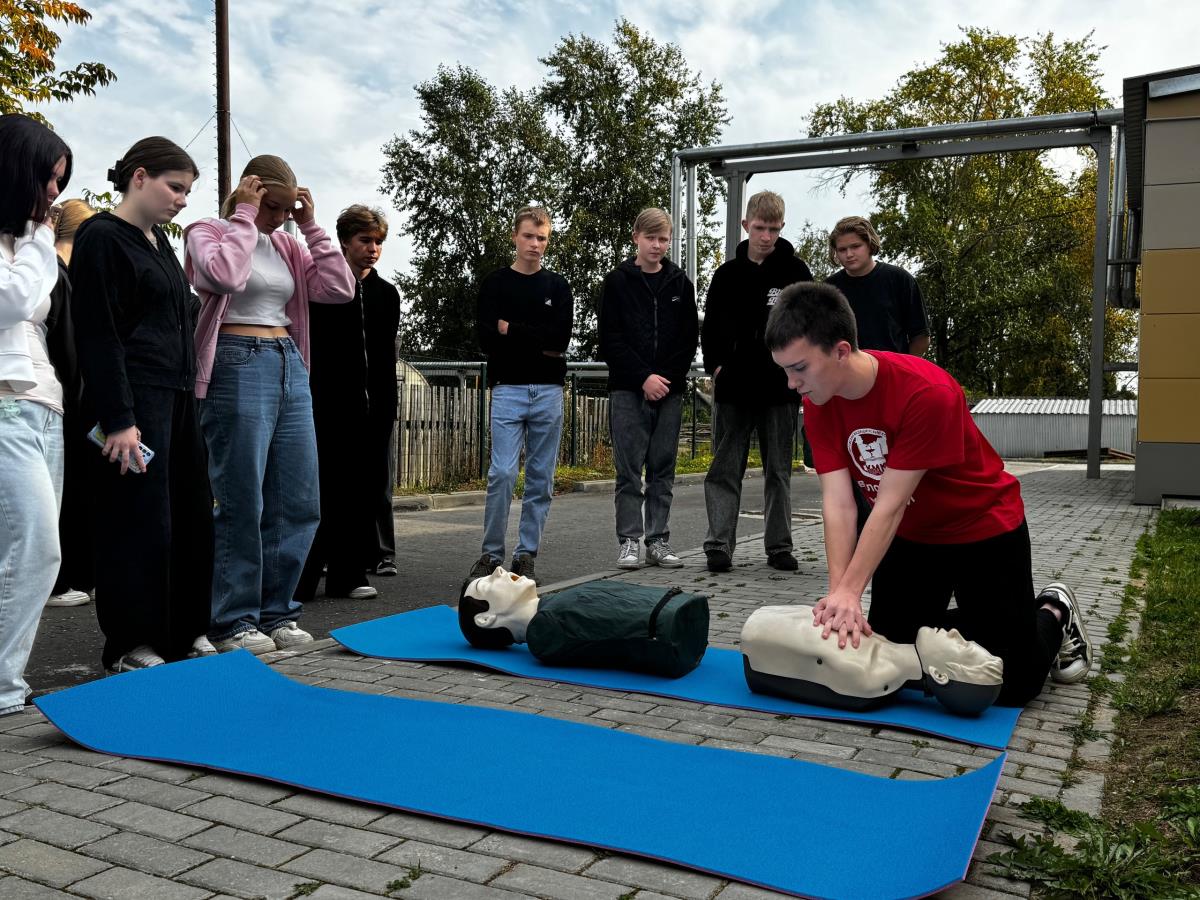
x: 1056, y: 406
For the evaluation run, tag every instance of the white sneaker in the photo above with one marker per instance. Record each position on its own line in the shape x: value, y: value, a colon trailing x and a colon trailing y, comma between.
x: 69, y: 598
x: 366, y: 592
x: 202, y: 646
x: 628, y: 557
x: 659, y: 553
x: 142, y: 657
x: 1074, y: 659
x: 251, y: 639
x: 289, y: 635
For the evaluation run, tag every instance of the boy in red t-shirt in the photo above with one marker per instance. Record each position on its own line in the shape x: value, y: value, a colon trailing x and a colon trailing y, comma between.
x: 946, y: 519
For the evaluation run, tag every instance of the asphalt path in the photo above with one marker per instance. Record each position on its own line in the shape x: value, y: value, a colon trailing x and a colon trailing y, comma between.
x: 435, y: 550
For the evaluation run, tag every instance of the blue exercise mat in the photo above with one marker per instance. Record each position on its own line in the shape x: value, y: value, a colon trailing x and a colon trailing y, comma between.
x: 432, y: 635
x: 810, y: 830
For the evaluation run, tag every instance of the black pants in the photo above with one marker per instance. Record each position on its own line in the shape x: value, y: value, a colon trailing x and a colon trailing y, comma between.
x: 992, y: 583
x: 75, y: 521
x: 379, y: 459
x: 153, y: 535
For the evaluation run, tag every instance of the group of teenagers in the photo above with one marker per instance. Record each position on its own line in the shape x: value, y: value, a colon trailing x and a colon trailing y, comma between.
x: 916, y: 503
x: 192, y: 420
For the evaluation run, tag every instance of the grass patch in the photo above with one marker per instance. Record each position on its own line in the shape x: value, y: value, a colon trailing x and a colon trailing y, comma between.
x: 1146, y: 844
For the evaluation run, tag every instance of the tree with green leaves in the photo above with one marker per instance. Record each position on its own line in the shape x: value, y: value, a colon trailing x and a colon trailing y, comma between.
x: 1000, y: 243
x: 593, y: 143
x: 28, y: 43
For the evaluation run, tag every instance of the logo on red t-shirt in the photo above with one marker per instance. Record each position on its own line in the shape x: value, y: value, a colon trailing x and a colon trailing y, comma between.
x: 868, y: 447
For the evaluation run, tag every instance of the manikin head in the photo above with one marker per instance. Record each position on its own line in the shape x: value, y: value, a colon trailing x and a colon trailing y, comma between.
x: 961, y: 674
x: 494, y: 611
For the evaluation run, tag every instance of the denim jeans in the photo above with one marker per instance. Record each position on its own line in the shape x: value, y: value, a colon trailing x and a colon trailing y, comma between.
x: 31, y: 472
x: 645, y: 435
x: 733, y: 424
x: 262, y: 462
x: 530, y: 415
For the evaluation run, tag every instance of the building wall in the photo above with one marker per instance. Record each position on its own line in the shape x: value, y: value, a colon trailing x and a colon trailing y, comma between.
x: 1168, y: 451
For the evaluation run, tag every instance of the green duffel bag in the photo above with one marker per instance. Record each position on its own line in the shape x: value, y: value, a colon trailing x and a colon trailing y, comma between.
x: 617, y: 625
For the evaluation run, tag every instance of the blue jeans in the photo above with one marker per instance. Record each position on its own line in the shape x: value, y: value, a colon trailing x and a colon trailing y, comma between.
x: 31, y: 472
x: 645, y: 437
x: 262, y: 462
x: 529, y: 415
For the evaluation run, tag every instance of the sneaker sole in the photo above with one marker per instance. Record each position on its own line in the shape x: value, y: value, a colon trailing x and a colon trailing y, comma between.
x: 256, y: 649
x: 621, y: 564
x: 62, y: 604
x: 678, y: 564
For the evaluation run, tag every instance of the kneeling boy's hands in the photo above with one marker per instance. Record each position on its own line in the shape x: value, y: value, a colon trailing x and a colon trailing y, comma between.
x: 841, y: 612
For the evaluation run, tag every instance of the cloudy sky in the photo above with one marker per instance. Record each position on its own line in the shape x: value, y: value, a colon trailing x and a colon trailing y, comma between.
x: 326, y: 84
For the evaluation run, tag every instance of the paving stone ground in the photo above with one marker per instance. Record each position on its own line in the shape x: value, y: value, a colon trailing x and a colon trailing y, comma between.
x: 79, y: 824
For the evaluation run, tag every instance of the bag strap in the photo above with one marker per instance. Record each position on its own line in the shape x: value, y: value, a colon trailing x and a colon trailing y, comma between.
x: 658, y: 607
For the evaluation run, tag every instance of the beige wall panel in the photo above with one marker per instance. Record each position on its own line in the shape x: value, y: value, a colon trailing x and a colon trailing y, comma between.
x: 1170, y: 347
x: 1173, y: 151
x: 1169, y: 410
x: 1171, y: 282
x: 1172, y: 217
x: 1174, y: 107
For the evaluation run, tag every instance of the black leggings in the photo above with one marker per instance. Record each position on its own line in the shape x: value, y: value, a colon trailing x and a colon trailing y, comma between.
x: 992, y: 582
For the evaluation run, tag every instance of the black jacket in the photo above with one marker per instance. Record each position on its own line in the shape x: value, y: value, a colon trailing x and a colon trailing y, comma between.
x: 643, y: 334
x: 381, y: 321
x: 740, y: 298
x: 134, y: 315
x: 539, y: 311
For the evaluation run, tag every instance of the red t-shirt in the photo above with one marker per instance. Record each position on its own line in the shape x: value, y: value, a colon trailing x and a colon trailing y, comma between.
x: 915, y: 417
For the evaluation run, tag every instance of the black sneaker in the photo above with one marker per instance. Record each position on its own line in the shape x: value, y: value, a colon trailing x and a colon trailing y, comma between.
x: 486, y: 566
x: 718, y: 560
x: 525, y: 564
x: 1074, y: 659
x: 783, y: 561
x: 386, y: 566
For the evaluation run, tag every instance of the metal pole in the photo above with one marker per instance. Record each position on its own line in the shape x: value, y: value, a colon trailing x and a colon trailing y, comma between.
x: 733, y: 214
x: 483, y: 422
x: 223, y: 167
x: 676, y: 218
x: 574, y: 406
x: 1116, y: 220
x: 693, y: 231
x: 1103, y: 147
x: 694, y: 407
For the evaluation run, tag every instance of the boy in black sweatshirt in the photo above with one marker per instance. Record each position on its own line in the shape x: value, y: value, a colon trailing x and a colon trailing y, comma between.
x: 648, y: 335
x: 750, y: 392
x: 524, y: 322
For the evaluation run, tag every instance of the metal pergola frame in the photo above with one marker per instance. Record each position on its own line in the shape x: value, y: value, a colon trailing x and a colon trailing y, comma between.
x: 736, y: 163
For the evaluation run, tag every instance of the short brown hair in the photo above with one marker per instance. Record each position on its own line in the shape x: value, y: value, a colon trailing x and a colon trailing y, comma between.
x: 357, y: 219
x: 538, y: 215
x: 853, y: 225
x: 816, y: 311
x: 651, y: 220
x: 766, y: 206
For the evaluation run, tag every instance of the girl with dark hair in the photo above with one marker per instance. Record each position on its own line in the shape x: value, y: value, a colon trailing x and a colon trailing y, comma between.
x: 134, y: 317
x: 35, y: 165
x: 255, y: 283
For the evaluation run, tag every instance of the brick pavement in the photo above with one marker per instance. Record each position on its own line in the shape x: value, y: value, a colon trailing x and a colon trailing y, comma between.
x: 79, y: 824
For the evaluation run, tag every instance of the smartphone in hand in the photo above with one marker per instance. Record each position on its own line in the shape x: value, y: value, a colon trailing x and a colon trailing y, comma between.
x: 98, y: 437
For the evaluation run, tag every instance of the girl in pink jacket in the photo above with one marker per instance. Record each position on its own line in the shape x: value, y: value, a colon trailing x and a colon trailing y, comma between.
x: 255, y: 282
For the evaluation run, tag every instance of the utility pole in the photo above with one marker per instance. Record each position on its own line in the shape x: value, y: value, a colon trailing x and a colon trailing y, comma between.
x: 223, y: 173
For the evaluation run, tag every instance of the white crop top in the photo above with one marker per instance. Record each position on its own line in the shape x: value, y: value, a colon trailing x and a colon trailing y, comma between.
x: 267, y: 291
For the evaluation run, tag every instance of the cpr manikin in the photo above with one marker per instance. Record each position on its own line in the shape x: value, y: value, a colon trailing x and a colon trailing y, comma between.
x: 783, y: 654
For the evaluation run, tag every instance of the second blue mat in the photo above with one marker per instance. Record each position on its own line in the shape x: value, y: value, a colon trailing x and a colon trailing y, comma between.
x: 809, y: 830
x: 432, y: 635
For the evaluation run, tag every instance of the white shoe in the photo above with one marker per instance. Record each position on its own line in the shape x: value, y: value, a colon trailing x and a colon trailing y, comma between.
x: 628, y: 557
x: 366, y: 592
x: 69, y: 598
x: 659, y: 553
x: 202, y: 646
x: 290, y: 635
x: 1074, y: 659
x: 251, y: 639
x: 142, y: 657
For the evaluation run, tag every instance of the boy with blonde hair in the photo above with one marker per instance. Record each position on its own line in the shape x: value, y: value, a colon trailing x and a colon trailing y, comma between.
x: 751, y: 395
x: 648, y: 332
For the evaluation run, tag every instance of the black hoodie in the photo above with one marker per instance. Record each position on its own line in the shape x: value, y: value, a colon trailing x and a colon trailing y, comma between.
x: 735, y: 320
x: 643, y: 333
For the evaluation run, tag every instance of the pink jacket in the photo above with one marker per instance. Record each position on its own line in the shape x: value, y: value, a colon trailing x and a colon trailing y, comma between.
x: 217, y: 263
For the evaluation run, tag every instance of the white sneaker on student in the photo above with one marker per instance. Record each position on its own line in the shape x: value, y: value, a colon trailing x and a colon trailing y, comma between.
x: 251, y: 639
x: 1074, y: 659
x: 628, y: 557
x: 142, y: 657
x: 69, y: 598
x: 365, y: 592
x: 289, y: 635
x: 659, y: 553
x: 202, y: 646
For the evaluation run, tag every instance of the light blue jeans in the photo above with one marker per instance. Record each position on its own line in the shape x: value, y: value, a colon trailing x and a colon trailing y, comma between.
x: 262, y: 463
x: 529, y: 415
x: 31, y: 477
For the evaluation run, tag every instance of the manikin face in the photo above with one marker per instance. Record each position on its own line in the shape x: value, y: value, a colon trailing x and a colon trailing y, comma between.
x: 362, y: 250
x: 162, y: 197
x: 530, y: 240
x: 651, y: 248
x: 948, y: 656
x: 512, y: 601
x: 854, y: 254
x: 812, y: 372
x: 762, y: 236
x: 275, y: 208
